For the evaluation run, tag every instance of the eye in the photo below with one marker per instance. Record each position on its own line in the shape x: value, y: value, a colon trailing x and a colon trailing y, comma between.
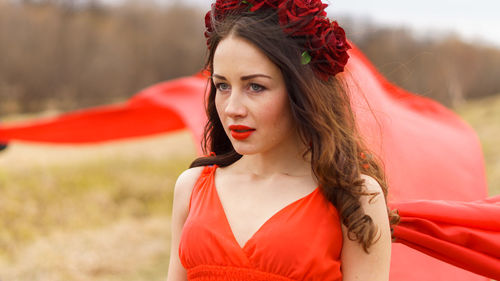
x: 256, y: 87
x: 222, y: 87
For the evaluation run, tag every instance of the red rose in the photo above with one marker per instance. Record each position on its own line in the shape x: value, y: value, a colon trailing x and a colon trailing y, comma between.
x: 329, y: 49
x: 220, y: 9
x: 223, y: 7
x: 208, y: 25
x: 325, y: 41
x: 256, y: 4
x: 301, y: 17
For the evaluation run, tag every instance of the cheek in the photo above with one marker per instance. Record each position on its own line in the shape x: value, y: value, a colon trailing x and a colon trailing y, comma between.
x: 219, y: 107
x: 277, y: 113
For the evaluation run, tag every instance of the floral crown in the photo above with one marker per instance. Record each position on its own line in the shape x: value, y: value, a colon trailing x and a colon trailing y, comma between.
x: 325, y: 46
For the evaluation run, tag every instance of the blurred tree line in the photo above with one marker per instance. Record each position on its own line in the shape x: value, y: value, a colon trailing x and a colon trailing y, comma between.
x: 440, y: 65
x: 68, y: 54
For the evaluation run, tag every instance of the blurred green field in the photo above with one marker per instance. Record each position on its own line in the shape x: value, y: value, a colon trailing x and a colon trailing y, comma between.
x: 103, y: 212
x: 484, y: 116
x: 90, y: 212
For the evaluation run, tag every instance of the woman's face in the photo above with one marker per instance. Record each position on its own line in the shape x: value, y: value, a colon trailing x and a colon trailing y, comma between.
x: 251, y: 97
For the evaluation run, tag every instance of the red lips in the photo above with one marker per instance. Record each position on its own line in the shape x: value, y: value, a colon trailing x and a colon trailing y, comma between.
x: 241, y: 132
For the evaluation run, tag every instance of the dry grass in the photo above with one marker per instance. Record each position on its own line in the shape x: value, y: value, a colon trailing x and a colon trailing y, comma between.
x: 125, y: 250
x: 89, y: 212
x: 484, y: 116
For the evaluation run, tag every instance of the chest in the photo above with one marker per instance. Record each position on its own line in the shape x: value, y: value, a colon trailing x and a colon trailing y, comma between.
x: 300, y: 241
x: 249, y: 204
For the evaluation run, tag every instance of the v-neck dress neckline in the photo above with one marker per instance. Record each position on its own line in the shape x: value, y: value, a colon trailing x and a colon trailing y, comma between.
x: 263, y: 225
x: 301, y: 241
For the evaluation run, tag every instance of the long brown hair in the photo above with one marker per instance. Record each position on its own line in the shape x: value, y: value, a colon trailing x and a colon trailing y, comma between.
x: 323, y: 115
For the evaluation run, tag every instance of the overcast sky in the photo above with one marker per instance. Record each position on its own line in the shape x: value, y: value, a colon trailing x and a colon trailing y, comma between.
x: 472, y: 19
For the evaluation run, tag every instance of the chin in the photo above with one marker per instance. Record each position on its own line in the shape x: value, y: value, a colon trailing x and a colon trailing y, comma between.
x: 245, y: 149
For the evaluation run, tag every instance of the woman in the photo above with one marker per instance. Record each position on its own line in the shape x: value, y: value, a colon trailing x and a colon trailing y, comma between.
x: 288, y: 191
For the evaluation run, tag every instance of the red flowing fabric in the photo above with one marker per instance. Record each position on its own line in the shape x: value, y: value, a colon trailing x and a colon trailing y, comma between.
x: 429, y: 153
x: 465, y: 234
x: 161, y: 108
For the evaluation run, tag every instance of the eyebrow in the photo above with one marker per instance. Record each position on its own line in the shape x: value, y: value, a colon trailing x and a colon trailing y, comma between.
x: 243, y: 78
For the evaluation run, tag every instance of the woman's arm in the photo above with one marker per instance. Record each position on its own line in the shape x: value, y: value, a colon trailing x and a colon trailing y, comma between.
x: 180, y: 210
x: 357, y: 265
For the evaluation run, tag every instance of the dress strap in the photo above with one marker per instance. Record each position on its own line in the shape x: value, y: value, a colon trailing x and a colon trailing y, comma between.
x: 205, y: 173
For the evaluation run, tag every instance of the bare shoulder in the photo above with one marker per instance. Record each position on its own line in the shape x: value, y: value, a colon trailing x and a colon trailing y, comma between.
x: 374, y: 265
x: 180, y: 209
x: 371, y: 184
x: 185, y: 183
x: 374, y: 205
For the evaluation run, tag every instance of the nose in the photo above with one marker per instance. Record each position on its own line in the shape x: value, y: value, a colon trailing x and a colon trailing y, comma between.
x: 235, y: 105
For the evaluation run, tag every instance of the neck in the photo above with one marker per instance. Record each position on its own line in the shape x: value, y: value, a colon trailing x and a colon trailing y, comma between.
x: 285, y: 159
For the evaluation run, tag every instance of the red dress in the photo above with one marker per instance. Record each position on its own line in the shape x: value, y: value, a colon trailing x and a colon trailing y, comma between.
x: 302, y: 241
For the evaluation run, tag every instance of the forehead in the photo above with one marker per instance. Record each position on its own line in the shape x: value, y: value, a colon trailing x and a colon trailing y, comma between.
x: 235, y: 55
